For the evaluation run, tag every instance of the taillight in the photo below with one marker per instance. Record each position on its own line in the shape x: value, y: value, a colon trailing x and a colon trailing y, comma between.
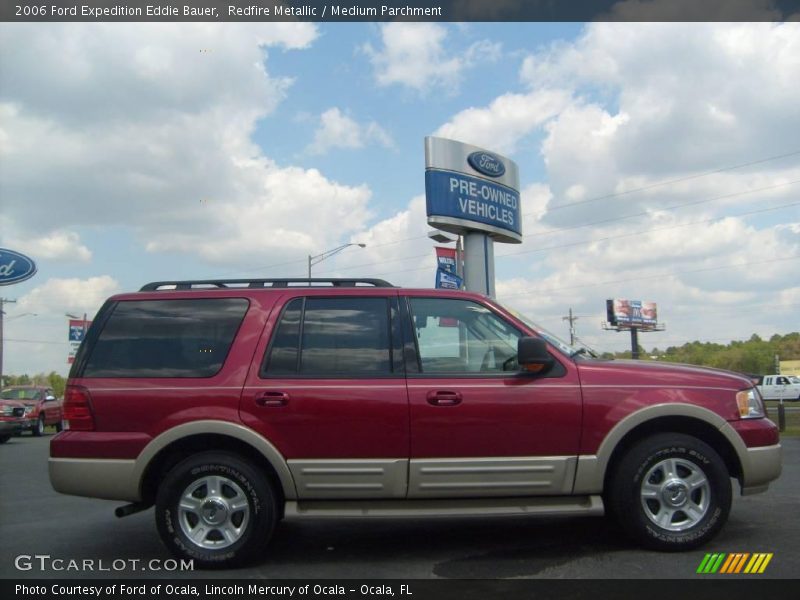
x: 78, y: 409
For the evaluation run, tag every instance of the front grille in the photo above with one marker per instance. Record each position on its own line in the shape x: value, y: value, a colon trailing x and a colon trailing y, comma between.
x: 19, y: 412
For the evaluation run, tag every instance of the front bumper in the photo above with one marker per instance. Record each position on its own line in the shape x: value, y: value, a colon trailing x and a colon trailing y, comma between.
x: 759, y: 467
x: 11, y: 427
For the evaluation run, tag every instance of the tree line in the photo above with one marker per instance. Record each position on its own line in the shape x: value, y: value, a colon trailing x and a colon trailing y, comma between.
x: 52, y: 379
x: 754, y: 356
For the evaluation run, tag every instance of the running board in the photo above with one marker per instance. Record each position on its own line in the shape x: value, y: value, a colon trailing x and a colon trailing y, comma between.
x: 449, y: 507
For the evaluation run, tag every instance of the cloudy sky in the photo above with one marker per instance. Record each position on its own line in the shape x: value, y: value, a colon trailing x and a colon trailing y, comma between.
x: 657, y: 161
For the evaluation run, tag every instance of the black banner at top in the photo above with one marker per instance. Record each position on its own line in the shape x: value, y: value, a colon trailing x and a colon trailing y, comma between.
x: 397, y: 10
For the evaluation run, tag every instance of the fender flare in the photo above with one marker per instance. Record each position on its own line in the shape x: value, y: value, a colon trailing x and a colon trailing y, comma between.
x: 225, y: 428
x: 591, y: 471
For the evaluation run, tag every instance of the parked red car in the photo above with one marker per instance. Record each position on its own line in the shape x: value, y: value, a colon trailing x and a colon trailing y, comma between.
x: 12, y: 415
x: 230, y: 405
x: 42, y: 408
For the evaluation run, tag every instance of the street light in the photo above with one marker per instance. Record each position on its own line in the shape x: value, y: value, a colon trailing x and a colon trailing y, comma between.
x: 315, y: 260
x: 22, y: 315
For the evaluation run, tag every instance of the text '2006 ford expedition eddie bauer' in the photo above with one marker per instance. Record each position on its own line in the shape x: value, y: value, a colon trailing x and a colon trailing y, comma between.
x: 229, y: 405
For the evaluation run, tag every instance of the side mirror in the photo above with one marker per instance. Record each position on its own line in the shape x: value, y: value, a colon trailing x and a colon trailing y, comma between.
x: 49, y: 398
x: 533, y: 356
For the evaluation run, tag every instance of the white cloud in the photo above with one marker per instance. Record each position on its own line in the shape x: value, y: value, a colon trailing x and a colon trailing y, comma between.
x: 648, y: 104
x: 58, y: 245
x: 154, y: 131
x: 56, y: 296
x: 416, y: 55
x: 508, y: 119
x: 337, y: 130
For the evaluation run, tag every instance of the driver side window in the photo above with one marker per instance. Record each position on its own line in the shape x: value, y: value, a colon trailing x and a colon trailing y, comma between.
x: 460, y: 336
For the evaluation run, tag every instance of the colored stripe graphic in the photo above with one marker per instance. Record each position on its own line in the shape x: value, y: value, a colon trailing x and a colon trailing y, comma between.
x: 735, y: 562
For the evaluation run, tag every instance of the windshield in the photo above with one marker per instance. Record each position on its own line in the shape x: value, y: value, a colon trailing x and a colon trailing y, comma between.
x: 20, y: 394
x: 552, y: 338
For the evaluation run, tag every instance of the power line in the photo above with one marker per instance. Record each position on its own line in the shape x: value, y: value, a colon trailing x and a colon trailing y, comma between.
x: 652, y: 230
x: 671, y: 181
x: 582, y: 242
x: 660, y: 275
x: 664, y: 209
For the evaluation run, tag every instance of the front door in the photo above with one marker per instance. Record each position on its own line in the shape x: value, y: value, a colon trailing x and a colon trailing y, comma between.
x: 330, y: 394
x: 479, y: 426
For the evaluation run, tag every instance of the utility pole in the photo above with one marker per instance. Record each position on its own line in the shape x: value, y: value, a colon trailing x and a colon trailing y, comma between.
x: 2, y: 313
x: 571, y: 320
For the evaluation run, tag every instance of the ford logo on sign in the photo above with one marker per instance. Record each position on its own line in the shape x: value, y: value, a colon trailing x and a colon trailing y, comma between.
x: 15, y: 267
x: 486, y: 163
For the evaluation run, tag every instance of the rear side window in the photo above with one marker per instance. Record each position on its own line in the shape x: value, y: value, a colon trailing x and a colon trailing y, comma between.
x: 334, y: 337
x: 166, y: 338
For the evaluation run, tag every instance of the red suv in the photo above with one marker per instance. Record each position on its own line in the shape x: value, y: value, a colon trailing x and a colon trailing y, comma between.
x: 232, y: 404
x: 42, y: 408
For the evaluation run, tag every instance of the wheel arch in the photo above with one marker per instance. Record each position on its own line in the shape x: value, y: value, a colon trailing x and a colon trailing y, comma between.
x: 594, y: 471
x: 172, y: 446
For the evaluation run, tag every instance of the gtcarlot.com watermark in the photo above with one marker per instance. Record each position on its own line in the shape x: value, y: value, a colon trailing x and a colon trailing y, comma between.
x: 46, y: 562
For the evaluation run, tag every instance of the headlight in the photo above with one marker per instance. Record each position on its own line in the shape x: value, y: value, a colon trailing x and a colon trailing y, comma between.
x: 28, y: 410
x: 750, y: 404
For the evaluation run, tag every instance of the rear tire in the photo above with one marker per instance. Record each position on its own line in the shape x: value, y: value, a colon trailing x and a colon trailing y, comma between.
x: 670, y: 492
x: 216, y: 509
x: 59, y: 426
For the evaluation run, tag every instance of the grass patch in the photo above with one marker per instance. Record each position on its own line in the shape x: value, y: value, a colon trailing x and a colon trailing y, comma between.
x: 792, y: 417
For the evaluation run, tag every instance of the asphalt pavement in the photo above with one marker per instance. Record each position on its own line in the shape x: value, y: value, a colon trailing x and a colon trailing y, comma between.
x: 35, y: 521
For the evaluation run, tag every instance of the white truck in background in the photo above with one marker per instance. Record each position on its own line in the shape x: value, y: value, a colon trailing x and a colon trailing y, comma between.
x: 780, y: 387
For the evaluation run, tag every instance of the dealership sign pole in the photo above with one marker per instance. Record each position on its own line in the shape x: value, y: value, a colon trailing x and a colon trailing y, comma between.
x: 473, y: 192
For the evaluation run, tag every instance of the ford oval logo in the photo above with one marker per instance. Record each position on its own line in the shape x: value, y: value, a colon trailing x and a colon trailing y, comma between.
x: 486, y: 163
x: 15, y: 267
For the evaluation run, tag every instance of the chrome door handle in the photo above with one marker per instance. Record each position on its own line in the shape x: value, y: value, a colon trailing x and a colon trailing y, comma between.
x: 444, y: 398
x: 272, y: 399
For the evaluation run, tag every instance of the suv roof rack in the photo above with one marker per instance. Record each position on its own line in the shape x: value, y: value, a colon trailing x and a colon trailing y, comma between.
x: 195, y: 284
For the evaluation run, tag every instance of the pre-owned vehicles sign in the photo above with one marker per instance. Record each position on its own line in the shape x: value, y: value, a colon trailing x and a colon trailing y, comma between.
x: 471, y: 189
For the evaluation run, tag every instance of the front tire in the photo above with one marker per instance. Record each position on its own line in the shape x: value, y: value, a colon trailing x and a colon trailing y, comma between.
x: 217, y: 509
x: 38, y: 428
x: 671, y: 492
x: 4, y: 438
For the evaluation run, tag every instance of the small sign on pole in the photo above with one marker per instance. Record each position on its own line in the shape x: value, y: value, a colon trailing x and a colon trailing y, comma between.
x: 77, y: 332
x: 447, y: 269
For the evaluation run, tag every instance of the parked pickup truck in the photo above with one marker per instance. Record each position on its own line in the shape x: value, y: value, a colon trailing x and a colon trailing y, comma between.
x: 42, y: 408
x: 780, y: 387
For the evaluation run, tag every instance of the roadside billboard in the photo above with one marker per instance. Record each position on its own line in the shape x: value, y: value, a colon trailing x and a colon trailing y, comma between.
x: 631, y: 313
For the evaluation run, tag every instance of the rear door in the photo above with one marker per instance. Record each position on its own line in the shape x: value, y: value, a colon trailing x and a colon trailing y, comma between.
x: 328, y: 390
x: 480, y: 427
